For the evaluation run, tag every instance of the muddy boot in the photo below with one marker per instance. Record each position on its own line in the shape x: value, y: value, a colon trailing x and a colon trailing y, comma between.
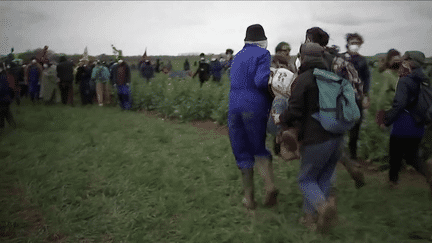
x: 248, y: 185
x: 354, y: 171
x: 333, y: 200
x: 326, y: 217
x: 265, y: 168
x: 309, y: 221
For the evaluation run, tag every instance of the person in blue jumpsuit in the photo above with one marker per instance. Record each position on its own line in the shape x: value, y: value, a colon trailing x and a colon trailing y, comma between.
x: 249, y: 107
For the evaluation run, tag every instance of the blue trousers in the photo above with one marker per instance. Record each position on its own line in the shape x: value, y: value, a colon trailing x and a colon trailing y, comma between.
x: 247, y: 133
x: 278, y: 106
x: 123, y: 93
x: 34, y: 90
x: 318, y: 164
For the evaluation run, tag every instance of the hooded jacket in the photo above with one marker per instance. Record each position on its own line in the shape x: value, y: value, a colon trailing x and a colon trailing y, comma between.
x: 304, y: 101
x: 406, y: 96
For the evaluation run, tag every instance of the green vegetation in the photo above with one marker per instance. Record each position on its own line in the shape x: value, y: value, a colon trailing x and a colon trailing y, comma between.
x: 99, y: 174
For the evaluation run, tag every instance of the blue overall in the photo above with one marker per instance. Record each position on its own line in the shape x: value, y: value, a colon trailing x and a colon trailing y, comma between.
x: 123, y: 93
x: 33, y: 80
x: 249, y: 105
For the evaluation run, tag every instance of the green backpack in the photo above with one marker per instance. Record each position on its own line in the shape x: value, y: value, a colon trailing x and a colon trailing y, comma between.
x: 339, y: 111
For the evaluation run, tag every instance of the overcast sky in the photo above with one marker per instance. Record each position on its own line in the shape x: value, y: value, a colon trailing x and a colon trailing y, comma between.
x: 171, y: 28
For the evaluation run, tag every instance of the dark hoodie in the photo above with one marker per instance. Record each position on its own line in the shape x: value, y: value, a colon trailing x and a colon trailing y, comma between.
x: 405, y: 99
x: 65, y: 71
x: 304, y: 100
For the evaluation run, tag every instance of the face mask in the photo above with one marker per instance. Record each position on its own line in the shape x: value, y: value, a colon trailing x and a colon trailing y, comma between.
x: 202, y: 58
x: 45, y: 65
x: 354, y: 48
x: 1, y: 70
x: 298, y: 63
x: 34, y: 61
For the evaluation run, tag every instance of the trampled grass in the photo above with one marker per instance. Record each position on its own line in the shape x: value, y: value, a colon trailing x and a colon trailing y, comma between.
x: 99, y: 174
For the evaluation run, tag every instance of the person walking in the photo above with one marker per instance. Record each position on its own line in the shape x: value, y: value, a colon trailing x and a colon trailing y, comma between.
x: 147, y: 70
x: 101, y: 75
x: 34, y: 74
x: 122, y: 79
x: 354, y: 43
x: 203, y: 70
x: 406, y: 133
x: 65, y: 74
x: 83, y: 79
x: 186, y: 65
x: 320, y: 149
x: 5, y: 100
x: 216, y: 70
x: 280, y: 101
x: 249, y: 107
x: 51, y: 91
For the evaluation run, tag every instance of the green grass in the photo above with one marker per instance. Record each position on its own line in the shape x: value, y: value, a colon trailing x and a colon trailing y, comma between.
x: 99, y: 174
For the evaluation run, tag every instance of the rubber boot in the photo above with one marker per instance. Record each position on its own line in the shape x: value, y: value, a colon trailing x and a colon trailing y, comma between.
x: 248, y: 185
x: 265, y: 168
x: 354, y: 171
x: 309, y: 221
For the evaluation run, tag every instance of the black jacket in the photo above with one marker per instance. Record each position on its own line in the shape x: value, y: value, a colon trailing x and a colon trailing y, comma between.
x: 406, y: 95
x: 304, y: 102
x: 65, y: 72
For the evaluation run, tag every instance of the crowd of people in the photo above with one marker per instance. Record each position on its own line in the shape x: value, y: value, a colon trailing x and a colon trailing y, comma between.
x: 255, y: 111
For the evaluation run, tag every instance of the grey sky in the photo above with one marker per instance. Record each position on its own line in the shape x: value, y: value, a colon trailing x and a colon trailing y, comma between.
x: 170, y: 28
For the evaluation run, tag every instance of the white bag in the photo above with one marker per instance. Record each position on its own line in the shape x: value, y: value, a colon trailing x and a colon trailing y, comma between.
x: 280, y: 81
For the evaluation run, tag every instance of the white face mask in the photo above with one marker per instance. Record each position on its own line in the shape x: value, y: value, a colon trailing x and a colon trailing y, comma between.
x: 354, y: 48
x: 298, y: 63
x: 45, y: 65
x: 33, y: 61
x: 1, y: 70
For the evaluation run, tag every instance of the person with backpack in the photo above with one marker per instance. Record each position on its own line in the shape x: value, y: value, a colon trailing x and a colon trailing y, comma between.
x: 249, y: 107
x: 408, y: 121
x: 320, y: 148
x: 101, y: 76
x: 51, y: 91
x: 203, y: 70
x: 65, y: 74
x: 341, y: 67
x: 216, y: 70
x: 354, y: 43
x: 5, y: 100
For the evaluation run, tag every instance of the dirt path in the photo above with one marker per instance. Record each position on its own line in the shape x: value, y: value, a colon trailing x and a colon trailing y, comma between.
x: 373, y: 174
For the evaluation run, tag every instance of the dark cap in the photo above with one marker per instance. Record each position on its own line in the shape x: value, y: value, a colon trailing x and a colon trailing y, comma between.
x: 283, y: 46
x: 255, y: 33
x: 417, y: 57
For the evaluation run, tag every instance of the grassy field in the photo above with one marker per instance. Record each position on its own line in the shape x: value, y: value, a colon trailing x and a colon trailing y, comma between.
x: 99, y: 174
